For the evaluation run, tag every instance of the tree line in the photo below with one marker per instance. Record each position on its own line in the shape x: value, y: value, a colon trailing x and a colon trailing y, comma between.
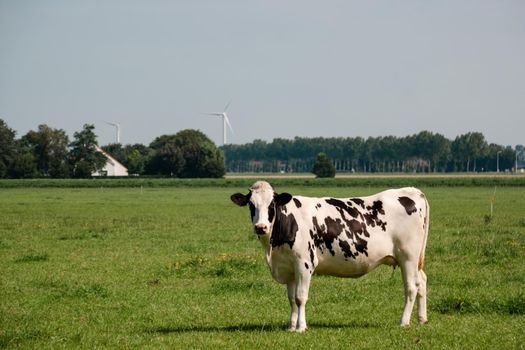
x: 48, y: 152
x: 422, y: 152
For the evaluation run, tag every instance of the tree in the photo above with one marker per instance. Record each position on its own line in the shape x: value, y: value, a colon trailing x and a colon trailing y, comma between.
x: 167, y: 158
x: 137, y: 157
x: 7, y: 148
x: 50, y: 149
x: 84, y: 157
x: 323, y: 167
x: 187, y: 154
x: 434, y: 148
x: 24, y: 164
x: 469, y: 147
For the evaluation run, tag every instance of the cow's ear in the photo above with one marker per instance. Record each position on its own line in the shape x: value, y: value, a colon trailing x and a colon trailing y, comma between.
x: 240, y: 199
x: 283, y: 198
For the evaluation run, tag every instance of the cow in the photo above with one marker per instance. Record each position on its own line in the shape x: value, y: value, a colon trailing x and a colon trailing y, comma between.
x: 344, y: 237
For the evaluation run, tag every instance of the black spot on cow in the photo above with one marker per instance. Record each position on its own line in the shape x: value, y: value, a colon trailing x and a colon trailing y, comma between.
x: 345, y: 247
x: 252, y: 210
x: 339, y: 204
x: 357, y: 232
x: 336, y: 203
x: 318, y: 206
x: 359, y: 202
x: 361, y: 245
x: 343, y: 207
x: 317, y: 234
x: 409, y: 204
x: 357, y: 228
x: 297, y: 203
x: 325, y: 234
x: 311, y: 250
x: 333, y: 229
x: 306, y: 265
x: 284, y: 229
x: 376, y: 207
x: 318, y: 227
x: 372, y: 217
x: 271, y: 212
x: 354, y: 212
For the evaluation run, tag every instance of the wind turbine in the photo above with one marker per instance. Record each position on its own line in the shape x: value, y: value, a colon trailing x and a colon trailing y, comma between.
x: 117, y: 126
x: 225, y: 122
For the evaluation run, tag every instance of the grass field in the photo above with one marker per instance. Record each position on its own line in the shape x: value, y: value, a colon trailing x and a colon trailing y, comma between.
x: 179, y: 268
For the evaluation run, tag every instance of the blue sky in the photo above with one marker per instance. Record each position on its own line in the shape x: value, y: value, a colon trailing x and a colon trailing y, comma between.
x: 290, y: 68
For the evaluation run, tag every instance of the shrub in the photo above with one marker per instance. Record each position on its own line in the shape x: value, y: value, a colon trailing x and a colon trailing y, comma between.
x: 323, y: 167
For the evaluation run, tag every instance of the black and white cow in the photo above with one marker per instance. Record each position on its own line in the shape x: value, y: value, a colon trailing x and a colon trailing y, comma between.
x: 340, y: 237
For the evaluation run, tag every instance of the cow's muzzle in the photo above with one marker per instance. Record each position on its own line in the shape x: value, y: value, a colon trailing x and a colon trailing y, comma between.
x: 261, y: 229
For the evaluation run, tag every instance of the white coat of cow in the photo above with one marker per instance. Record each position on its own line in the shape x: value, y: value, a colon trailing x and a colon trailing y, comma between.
x: 340, y: 237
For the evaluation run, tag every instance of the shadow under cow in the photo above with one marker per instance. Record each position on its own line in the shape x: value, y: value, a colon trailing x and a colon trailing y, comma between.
x: 254, y: 327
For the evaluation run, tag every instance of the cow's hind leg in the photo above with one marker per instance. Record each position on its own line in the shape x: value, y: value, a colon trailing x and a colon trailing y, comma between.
x: 411, y: 282
x: 293, y: 306
x: 422, y: 298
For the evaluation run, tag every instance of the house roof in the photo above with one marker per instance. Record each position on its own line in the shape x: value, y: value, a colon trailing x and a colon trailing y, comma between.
x: 110, y: 159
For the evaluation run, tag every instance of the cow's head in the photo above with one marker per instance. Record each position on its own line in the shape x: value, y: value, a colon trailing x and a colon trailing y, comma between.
x: 263, y: 203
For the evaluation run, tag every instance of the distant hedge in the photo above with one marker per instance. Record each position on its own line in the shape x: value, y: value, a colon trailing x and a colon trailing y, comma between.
x: 375, y: 181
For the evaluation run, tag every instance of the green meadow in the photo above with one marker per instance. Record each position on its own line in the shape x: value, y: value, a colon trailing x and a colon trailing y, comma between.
x: 178, y: 267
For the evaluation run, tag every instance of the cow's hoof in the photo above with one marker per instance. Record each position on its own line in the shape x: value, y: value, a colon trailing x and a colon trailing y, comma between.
x: 424, y: 321
x: 291, y: 329
x: 300, y: 330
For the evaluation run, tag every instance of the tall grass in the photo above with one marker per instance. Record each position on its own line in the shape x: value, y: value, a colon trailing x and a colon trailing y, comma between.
x: 179, y: 268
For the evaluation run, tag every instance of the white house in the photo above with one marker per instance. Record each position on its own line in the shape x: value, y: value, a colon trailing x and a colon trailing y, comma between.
x: 112, y: 167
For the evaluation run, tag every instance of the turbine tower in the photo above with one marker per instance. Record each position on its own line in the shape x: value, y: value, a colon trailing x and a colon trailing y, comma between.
x: 225, y: 122
x: 117, y: 126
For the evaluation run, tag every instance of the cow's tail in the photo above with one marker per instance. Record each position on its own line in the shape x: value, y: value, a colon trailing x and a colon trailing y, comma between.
x: 421, y: 260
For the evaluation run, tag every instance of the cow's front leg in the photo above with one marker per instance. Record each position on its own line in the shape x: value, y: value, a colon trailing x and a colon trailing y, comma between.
x: 293, y: 306
x: 302, y: 286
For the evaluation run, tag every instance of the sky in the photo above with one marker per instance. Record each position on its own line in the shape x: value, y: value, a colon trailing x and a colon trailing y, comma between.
x: 290, y: 68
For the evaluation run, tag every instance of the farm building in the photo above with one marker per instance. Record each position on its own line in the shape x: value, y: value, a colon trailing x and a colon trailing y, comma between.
x: 112, y: 168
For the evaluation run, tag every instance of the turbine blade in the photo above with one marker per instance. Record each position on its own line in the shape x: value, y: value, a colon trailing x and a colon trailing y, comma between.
x: 227, y: 105
x: 227, y: 120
